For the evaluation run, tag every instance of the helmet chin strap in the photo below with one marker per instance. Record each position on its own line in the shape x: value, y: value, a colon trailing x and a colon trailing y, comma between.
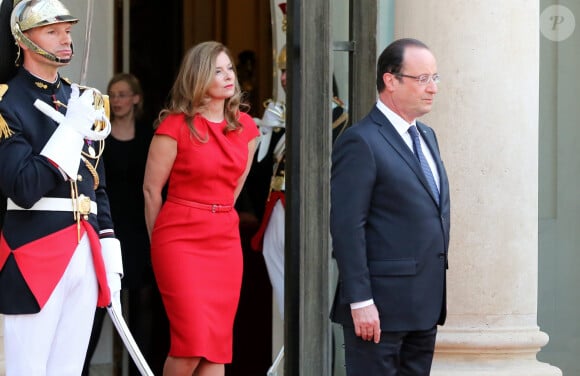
x: 37, y: 49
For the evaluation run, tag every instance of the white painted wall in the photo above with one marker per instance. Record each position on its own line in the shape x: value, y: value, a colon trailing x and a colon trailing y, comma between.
x: 100, y: 67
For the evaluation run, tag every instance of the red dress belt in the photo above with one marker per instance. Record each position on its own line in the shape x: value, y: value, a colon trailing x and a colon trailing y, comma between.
x: 214, y: 208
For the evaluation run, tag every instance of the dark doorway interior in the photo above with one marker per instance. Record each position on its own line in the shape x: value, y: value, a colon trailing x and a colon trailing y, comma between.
x: 156, y: 48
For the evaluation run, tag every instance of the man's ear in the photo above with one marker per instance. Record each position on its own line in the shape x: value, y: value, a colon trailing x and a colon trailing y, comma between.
x: 388, y: 80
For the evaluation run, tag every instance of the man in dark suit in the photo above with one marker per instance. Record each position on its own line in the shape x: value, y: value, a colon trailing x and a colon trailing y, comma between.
x: 390, y: 222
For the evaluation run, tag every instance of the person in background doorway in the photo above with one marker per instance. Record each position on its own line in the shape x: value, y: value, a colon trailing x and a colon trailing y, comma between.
x: 270, y: 236
x: 248, y: 80
x: 203, y: 148
x: 124, y: 159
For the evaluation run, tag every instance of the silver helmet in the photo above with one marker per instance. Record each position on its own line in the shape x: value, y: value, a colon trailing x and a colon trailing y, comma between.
x: 28, y: 14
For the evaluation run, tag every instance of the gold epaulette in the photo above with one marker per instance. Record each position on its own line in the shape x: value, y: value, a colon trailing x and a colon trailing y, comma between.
x: 101, y: 101
x: 5, y: 130
x: 277, y: 183
x: 107, y: 105
x: 3, y: 90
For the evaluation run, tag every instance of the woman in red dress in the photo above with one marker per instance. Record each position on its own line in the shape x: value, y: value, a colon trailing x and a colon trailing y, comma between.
x: 203, y: 149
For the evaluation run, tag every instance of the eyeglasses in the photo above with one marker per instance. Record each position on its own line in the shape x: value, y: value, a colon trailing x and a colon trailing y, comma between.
x: 120, y: 96
x: 423, y: 79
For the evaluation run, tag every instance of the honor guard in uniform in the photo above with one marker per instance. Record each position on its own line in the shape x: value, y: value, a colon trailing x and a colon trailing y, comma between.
x: 58, y: 254
x: 270, y: 236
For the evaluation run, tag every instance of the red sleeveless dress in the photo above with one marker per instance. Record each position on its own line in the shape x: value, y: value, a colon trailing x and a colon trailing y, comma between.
x: 195, y: 244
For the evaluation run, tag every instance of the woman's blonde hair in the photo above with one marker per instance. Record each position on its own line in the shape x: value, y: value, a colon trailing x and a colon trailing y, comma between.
x: 189, y: 94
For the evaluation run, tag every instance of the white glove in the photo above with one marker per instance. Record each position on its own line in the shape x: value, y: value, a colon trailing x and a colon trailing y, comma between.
x: 66, y: 143
x: 111, y: 251
x: 274, y: 117
x: 80, y: 114
x: 114, y: 282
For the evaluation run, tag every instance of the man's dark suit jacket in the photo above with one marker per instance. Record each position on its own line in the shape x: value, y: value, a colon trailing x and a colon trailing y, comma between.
x: 390, y: 238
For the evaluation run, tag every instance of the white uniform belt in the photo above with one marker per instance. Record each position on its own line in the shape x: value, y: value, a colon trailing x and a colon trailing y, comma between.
x: 51, y: 204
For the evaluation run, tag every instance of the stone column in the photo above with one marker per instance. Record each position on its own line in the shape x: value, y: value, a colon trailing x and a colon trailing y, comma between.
x: 486, y: 118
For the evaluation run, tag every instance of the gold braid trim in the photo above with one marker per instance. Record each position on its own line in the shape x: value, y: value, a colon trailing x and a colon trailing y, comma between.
x: 97, y: 154
x: 5, y: 130
x: 92, y: 171
x: 3, y: 90
x: 340, y: 120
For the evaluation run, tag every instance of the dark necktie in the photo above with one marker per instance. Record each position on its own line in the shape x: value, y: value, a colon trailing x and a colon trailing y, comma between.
x: 423, y: 161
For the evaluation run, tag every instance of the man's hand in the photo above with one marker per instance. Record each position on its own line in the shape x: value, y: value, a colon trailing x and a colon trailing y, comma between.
x: 366, y: 323
x: 80, y: 115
